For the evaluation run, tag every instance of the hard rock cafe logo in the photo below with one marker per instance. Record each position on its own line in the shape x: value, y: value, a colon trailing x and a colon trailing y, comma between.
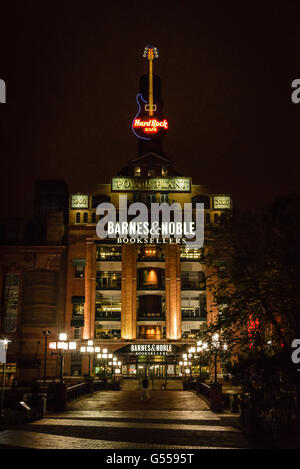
x: 150, y: 126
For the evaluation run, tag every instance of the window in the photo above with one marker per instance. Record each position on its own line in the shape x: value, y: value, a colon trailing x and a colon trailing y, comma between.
x: 150, y: 173
x: 164, y: 172
x: 78, y: 217
x: 109, y: 253
x: 201, y: 199
x: 137, y: 197
x: 151, y: 198
x: 192, y: 280
x: 193, y: 308
x: 77, y: 333
x: 191, y: 254
x: 137, y: 171
x: 85, y: 217
x: 164, y: 198
x: 79, y: 271
x: 108, y: 281
x: 79, y: 266
x: 93, y: 217
x: 108, y: 308
x: 103, y: 333
x: 216, y: 218
x: 151, y: 278
x: 207, y: 218
x: 77, y: 320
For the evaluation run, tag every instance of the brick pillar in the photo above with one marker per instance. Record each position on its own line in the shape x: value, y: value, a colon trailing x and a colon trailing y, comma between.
x: 93, y: 292
x: 128, y: 292
x: 173, y: 291
x: 89, y: 307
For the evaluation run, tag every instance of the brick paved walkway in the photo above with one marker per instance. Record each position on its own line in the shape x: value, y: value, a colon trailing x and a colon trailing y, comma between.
x: 120, y: 420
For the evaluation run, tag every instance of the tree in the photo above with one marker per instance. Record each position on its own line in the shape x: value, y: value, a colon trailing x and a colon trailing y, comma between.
x: 255, y: 281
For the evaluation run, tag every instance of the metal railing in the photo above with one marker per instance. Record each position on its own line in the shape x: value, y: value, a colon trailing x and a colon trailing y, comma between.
x: 204, y: 390
x: 76, y: 391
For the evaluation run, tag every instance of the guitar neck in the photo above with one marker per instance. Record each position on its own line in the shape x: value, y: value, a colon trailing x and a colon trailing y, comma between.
x: 150, y: 87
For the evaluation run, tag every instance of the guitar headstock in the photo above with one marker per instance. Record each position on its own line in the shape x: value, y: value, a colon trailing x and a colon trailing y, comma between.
x: 150, y: 53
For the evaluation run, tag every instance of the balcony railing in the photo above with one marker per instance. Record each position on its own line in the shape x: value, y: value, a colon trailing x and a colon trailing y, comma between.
x: 158, y: 286
x: 105, y: 316
x: 185, y: 285
x: 153, y: 317
x: 193, y: 316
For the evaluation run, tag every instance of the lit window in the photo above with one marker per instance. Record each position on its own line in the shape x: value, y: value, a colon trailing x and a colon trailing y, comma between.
x: 150, y: 172
x: 79, y: 271
x: 164, y: 172
x: 137, y: 171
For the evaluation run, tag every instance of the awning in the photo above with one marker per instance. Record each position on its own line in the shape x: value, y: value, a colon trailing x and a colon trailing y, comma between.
x: 77, y: 322
x: 79, y: 262
x: 78, y: 299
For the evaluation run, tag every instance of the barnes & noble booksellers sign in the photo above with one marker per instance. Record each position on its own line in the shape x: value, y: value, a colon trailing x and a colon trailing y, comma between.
x: 151, y: 349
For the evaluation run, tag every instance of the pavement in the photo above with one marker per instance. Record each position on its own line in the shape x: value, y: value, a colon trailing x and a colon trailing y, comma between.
x: 120, y: 420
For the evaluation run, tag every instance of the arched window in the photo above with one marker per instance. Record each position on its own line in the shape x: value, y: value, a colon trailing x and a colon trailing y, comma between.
x: 207, y: 218
x: 94, y: 217
x: 201, y: 199
x: 78, y: 217
x: 85, y: 217
x: 216, y: 218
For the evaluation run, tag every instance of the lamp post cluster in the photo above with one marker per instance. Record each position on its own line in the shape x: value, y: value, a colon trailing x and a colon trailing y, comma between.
x: 102, y: 355
x: 63, y: 345
x: 195, y: 353
x: 185, y: 364
x: 216, y: 345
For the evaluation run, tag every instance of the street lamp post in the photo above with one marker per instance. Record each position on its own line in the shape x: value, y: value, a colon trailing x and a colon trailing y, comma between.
x: 46, y: 334
x: 216, y: 345
x: 90, y: 349
x: 62, y: 344
x: 5, y: 346
x: 201, y: 347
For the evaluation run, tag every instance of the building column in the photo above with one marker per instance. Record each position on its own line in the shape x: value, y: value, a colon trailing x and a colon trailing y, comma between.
x: 128, y: 292
x: 90, y: 280
x: 173, y: 291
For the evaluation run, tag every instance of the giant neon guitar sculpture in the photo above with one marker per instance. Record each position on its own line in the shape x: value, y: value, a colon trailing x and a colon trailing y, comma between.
x: 144, y: 124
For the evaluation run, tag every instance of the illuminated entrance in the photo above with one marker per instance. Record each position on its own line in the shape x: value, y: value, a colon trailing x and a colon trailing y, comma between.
x: 156, y: 360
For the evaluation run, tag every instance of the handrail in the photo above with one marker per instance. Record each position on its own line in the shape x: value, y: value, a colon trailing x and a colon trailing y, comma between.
x: 76, y: 391
x: 204, y: 390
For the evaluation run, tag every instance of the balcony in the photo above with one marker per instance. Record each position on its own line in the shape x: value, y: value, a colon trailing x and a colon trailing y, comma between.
x: 151, y: 317
x: 192, y: 315
x: 108, y: 316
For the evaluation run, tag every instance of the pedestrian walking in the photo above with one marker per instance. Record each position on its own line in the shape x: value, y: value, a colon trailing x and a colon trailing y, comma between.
x: 145, y: 390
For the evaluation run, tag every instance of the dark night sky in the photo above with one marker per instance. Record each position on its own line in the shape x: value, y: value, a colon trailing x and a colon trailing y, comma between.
x: 72, y: 72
